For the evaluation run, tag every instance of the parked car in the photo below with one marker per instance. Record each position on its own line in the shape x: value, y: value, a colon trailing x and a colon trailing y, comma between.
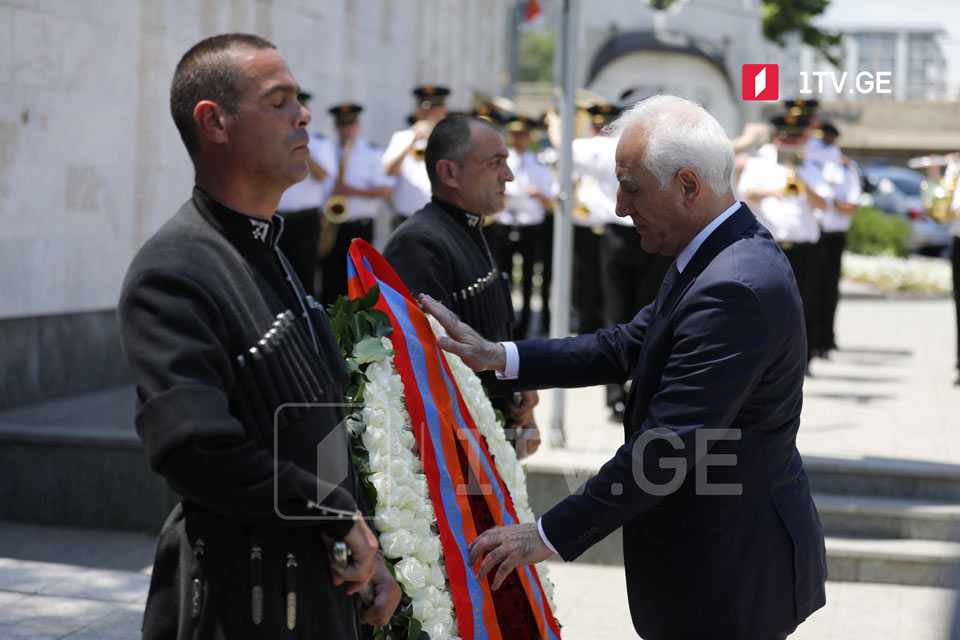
x: 897, y: 191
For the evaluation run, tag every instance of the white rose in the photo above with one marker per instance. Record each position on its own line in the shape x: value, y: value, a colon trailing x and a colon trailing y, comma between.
x: 404, y: 497
x: 408, y: 440
x: 410, y: 572
x: 422, y: 608
x: 397, y: 543
x: 374, y: 436
x: 385, y: 486
x: 421, y: 522
x: 388, y: 519
x: 437, y: 576
x: 427, y: 549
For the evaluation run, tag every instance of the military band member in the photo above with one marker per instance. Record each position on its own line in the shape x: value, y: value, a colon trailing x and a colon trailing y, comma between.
x: 782, y: 191
x: 951, y: 175
x: 840, y: 187
x: 300, y: 207
x: 523, y: 223
x: 404, y: 155
x: 441, y: 250
x: 594, y: 175
x: 360, y: 185
x: 220, y: 335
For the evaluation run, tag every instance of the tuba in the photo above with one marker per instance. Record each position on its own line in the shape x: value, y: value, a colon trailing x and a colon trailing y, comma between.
x: 334, y: 209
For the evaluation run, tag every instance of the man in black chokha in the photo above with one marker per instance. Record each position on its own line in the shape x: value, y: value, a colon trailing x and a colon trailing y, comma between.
x: 441, y: 250
x: 219, y: 333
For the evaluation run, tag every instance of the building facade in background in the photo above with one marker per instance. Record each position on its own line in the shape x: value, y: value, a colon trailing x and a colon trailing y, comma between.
x: 912, y: 56
x: 91, y: 163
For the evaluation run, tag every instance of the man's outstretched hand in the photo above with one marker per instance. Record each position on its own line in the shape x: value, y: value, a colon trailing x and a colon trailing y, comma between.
x: 507, y: 547
x: 461, y: 340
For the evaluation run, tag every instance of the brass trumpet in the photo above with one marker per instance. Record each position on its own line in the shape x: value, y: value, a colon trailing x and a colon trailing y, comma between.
x: 421, y: 131
x: 419, y: 149
x: 795, y: 186
x: 580, y: 210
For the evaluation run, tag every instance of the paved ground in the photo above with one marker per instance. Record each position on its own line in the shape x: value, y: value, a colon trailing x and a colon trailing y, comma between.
x: 887, y: 394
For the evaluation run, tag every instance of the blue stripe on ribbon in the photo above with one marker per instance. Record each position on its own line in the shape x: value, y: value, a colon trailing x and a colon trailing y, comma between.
x: 484, y: 461
x: 398, y: 306
x: 535, y: 589
x: 351, y: 269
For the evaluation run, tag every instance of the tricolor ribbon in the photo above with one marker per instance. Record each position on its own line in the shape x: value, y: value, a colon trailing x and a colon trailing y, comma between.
x: 442, y: 423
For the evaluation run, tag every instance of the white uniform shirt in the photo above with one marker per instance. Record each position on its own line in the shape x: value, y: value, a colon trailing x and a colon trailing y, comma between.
x: 363, y: 171
x: 595, y: 165
x: 847, y: 190
x: 311, y: 193
x: 789, y: 219
x: 523, y: 209
x: 411, y: 190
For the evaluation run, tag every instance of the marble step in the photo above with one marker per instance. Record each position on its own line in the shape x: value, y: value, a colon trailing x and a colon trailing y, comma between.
x: 931, y: 563
x: 882, y: 517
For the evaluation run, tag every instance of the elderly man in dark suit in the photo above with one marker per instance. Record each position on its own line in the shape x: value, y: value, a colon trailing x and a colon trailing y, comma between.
x: 721, y: 538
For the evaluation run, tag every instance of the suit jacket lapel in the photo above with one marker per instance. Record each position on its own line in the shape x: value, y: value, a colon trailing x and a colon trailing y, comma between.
x: 721, y: 238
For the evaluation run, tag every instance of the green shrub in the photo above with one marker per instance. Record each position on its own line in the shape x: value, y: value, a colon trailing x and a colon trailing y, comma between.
x: 875, y: 233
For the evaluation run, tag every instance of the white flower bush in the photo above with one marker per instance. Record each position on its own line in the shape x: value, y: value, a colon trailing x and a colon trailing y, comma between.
x: 915, y: 273
x: 404, y: 514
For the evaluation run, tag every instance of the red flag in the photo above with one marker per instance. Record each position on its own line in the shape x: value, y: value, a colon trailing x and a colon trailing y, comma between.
x: 533, y: 9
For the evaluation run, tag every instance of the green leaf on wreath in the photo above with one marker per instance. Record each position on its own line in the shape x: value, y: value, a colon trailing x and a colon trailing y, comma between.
x: 355, y: 327
x: 370, y: 349
x: 414, y: 627
x: 371, y: 297
x: 380, y: 322
x: 352, y: 366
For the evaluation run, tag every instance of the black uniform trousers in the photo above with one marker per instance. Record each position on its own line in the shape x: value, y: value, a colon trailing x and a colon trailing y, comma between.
x: 829, y: 255
x: 533, y: 243
x: 587, y: 294
x: 631, y: 280
x: 334, y: 267
x: 803, y: 260
x: 301, y: 230
x: 955, y: 260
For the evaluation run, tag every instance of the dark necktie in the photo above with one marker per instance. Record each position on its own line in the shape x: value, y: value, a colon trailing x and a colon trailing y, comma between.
x: 666, y: 286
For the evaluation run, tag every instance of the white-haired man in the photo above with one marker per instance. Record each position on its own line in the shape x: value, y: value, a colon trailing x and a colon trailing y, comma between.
x: 725, y: 545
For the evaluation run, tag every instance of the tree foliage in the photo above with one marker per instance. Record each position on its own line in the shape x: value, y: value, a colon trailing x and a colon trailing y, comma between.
x: 781, y: 17
x: 536, y: 56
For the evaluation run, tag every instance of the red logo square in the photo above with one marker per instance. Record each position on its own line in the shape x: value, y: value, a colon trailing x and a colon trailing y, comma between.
x: 761, y: 82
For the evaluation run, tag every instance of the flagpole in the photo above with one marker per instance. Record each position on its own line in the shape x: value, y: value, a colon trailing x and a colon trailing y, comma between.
x: 565, y: 84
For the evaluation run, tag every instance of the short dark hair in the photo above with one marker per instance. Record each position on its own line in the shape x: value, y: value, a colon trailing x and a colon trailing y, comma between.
x: 208, y: 72
x: 450, y: 140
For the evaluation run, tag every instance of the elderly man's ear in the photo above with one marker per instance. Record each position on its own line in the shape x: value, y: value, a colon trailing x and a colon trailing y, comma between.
x: 209, y: 119
x: 689, y: 184
x: 447, y: 173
